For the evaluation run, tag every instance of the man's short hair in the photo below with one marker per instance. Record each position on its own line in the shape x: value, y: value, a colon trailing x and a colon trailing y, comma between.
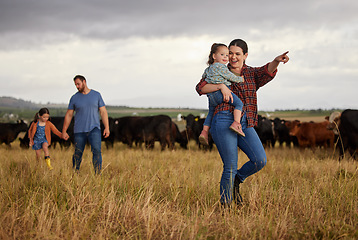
x: 80, y: 77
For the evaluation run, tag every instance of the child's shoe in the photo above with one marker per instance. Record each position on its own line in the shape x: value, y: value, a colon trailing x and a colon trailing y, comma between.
x: 236, y: 127
x: 48, y: 162
x: 203, y: 138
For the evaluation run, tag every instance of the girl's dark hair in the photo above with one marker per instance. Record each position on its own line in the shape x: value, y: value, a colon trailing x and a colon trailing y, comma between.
x: 213, y: 50
x: 40, y: 113
x: 241, y: 44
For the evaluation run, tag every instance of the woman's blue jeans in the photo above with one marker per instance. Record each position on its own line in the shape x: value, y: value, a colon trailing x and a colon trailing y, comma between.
x: 227, y: 143
x: 94, y: 139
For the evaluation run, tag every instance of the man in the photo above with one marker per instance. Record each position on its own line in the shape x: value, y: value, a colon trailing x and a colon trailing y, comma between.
x: 86, y: 102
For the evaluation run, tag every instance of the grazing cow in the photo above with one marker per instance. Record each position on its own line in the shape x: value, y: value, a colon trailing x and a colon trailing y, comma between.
x: 187, y: 134
x: 265, y: 132
x: 10, y: 131
x: 58, y: 122
x: 178, y: 137
x: 158, y: 128
x: 128, y: 130
x: 311, y: 134
x: 25, y: 141
x: 347, y: 130
x: 145, y: 129
x: 194, y: 126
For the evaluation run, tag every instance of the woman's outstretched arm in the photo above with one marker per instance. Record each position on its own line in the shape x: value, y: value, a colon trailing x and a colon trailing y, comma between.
x: 274, y: 64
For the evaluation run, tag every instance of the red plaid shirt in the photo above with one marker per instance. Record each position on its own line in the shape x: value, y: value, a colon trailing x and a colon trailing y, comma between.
x: 255, y: 77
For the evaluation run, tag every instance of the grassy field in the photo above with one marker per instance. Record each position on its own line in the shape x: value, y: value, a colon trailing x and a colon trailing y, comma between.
x: 174, y: 195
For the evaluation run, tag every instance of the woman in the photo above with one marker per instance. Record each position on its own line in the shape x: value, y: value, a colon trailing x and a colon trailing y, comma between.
x: 226, y: 140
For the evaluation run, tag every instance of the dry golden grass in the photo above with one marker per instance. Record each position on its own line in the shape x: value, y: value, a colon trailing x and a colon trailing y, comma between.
x: 174, y: 195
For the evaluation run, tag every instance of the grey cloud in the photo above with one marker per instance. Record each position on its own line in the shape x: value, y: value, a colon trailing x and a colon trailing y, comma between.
x: 110, y: 19
x: 321, y: 36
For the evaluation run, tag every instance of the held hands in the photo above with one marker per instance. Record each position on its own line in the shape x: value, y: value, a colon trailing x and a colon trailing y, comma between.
x: 282, y: 58
x: 65, y: 136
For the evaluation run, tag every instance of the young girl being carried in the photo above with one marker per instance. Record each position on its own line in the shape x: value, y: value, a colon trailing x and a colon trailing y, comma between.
x: 216, y: 73
x: 40, y: 134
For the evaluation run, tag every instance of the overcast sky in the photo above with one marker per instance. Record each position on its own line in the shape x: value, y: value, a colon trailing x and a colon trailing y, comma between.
x: 153, y: 53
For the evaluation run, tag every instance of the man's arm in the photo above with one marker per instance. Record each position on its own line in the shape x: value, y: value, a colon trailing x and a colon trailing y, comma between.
x: 104, y: 116
x: 66, y: 124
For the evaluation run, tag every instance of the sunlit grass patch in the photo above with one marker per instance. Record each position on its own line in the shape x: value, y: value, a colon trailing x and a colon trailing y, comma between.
x: 153, y: 194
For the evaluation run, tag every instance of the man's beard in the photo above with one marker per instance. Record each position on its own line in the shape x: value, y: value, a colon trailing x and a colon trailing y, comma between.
x: 81, y: 90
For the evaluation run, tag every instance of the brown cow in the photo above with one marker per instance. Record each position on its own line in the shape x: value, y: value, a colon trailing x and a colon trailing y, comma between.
x: 311, y: 134
x: 291, y: 124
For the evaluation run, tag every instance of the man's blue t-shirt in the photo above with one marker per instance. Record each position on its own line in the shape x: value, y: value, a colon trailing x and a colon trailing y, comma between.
x: 86, y: 107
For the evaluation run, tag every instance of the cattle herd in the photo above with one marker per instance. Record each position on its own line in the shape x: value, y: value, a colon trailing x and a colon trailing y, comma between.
x: 339, y: 128
x: 128, y: 130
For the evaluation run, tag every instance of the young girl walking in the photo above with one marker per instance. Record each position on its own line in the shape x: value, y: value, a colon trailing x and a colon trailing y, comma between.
x: 217, y: 73
x: 40, y: 134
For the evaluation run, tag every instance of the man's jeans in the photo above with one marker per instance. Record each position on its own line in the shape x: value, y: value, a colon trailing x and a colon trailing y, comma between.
x: 94, y: 139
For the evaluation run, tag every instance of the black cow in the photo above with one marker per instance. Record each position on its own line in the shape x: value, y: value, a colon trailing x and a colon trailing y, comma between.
x: 347, y: 124
x: 128, y: 130
x: 145, y: 129
x: 25, y: 141
x: 58, y: 122
x: 179, y: 137
x: 10, y: 131
x: 282, y: 133
x: 109, y: 141
x: 194, y: 126
x: 158, y: 128
x: 264, y: 130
